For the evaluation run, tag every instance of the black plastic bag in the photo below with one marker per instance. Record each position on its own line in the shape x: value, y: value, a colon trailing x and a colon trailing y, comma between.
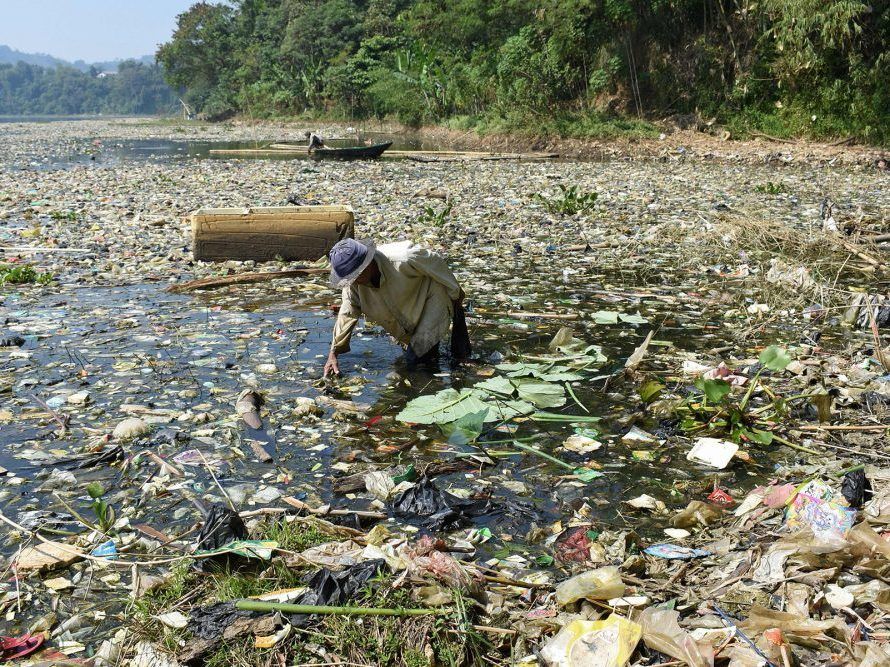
x: 221, y: 526
x: 434, y: 509
x: 460, y: 336
x: 336, y: 589
x: 106, y: 457
x: 211, y: 621
x: 11, y: 341
x: 856, y: 488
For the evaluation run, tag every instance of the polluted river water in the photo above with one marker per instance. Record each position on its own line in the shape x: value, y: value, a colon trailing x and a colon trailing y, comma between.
x: 101, y: 204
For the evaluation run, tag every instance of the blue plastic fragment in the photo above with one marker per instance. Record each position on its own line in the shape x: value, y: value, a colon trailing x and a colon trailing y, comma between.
x: 675, y: 552
x: 105, y: 550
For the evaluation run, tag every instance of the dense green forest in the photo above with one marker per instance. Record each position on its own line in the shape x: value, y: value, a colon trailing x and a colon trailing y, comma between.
x: 813, y: 67
x: 135, y: 88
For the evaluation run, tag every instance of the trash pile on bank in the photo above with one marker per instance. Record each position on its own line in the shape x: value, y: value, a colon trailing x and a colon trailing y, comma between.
x: 790, y: 572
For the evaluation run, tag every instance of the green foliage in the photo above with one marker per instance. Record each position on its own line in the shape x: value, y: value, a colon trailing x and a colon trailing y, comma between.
x: 22, y: 274
x: 103, y: 512
x: 650, y: 391
x: 716, y: 411
x: 714, y: 390
x: 569, y: 201
x: 293, y: 535
x: 564, y: 67
x: 134, y: 89
x: 771, y: 188
x: 434, y: 218
x: 465, y: 430
x: 775, y: 358
x: 70, y: 216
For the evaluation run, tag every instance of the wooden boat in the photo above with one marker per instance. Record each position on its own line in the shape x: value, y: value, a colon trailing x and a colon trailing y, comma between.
x: 352, y: 152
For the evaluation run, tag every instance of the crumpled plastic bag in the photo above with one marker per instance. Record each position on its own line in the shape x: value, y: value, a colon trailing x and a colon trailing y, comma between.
x: 875, y: 655
x: 379, y: 484
x: 805, y: 541
x: 461, y: 348
x: 434, y: 509
x: 696, y: 513
x: 210, y: 622
x: 608, y: 643
x: 334, y: 555
x: 874, y: 592
x: 603, y: 583
x: 424, y: 559
x: 866, y: 541
x: 815, y: 506
x: 662, y: 632
x: 337, y: 588
x: 760, y: 619
x: 573, y: 544
x: 221, y: 526
x: 856, y: 489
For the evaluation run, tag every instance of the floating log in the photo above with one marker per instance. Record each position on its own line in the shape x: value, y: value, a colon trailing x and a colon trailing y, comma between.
x: 269, y: 233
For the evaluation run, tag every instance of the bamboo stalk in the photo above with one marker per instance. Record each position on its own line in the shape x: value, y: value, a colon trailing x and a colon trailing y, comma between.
x: 323, y: 511
x: 843, y: 427
x: 559, y: 417
x: 799, y: 448
x: 287, y: 608
x: 575, y: 398
x: 543, y: 455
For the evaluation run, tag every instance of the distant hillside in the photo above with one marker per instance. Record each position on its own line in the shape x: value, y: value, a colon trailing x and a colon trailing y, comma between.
x: 10, y: 56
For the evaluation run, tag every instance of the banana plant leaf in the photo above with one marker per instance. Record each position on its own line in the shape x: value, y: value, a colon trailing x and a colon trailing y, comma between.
x: 450, y: 405
x: 547, y: 372
x: 538, y: 392
x: 464, y: 430
x: 261, y: 549
x: 541, y: 394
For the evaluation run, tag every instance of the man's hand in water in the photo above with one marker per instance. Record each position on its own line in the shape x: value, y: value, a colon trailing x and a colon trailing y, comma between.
x: 331, y: 367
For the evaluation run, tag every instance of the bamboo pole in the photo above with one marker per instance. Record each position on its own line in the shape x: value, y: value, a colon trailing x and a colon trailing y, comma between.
x: 287, y: 608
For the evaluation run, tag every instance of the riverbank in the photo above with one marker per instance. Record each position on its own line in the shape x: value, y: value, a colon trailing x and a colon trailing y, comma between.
x: 660, y: 142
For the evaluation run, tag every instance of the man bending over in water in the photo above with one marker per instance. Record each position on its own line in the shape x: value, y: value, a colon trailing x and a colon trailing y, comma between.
x: 406, y: 289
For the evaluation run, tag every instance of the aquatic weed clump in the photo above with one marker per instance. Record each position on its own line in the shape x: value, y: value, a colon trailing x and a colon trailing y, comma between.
x: 23, y: 274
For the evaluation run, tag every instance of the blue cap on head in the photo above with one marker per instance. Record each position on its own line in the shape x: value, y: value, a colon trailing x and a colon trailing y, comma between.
x: 348, y: 259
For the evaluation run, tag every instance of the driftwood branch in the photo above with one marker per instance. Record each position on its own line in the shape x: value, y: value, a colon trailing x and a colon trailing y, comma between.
x: 754, y: 133
x: 243, y: 279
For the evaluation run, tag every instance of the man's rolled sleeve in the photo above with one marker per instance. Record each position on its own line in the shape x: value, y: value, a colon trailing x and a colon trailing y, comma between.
x: 347, y: 318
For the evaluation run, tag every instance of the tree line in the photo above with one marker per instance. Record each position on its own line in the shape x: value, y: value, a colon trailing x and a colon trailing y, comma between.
x: 815, y: 67
x: 135, y: 89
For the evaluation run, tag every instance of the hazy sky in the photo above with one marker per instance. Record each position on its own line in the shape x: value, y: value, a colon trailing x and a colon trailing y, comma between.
x: 90, y: 30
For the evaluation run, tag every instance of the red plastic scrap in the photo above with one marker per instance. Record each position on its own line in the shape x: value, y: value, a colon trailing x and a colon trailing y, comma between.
x: 720, y: 497
x: 19, y: 647
x: 574, y: 545
x: 373, y: 421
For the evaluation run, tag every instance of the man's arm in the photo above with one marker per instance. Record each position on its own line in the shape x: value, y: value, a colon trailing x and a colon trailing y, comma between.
x: 347, y: 318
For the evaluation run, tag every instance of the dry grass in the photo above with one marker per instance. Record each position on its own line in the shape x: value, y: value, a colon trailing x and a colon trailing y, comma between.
x: 791, y: 266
